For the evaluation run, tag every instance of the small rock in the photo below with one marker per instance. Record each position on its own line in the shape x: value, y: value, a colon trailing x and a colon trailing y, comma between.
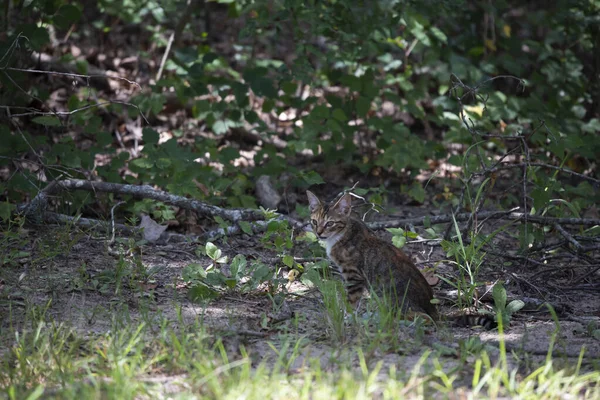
x: 267, y: 195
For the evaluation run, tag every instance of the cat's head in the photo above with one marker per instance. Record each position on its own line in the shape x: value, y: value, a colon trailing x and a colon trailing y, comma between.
x: 327, y: 219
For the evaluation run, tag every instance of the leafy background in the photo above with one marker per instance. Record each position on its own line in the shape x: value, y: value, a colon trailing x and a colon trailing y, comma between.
x: 402, y: 96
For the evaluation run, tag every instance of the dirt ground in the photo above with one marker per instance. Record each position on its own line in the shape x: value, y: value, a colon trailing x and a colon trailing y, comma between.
x: 74, y: 277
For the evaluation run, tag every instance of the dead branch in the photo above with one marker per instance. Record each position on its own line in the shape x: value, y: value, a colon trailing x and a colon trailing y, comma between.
x: 569, y: 237
x: 61, y: 219
x: 176, y: 34
x: 145, y: 191
x: 148, y: 192
x: 52, y: 66
x: 543, y: 165
x: 513, y: 216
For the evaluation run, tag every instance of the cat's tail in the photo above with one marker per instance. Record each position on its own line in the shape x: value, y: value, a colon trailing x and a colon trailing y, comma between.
x: 471, y: 318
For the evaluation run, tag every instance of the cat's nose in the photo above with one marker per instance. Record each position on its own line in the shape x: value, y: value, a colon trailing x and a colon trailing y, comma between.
x: 320, y: 231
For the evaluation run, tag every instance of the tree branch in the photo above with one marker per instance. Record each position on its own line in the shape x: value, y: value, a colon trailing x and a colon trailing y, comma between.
x: 148, y: 192
x: 514, y: 216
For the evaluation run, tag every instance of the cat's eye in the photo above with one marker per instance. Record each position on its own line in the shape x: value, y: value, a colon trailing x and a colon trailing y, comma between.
x: 314, y: 222
x: 329, y: 224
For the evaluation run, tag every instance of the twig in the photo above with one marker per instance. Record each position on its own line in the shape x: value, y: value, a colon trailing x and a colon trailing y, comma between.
x: 112, y: 220
x: 547, y: 271
x: 568, y: 236
x: 73, y: 75
x: 544, y: 165
x: 148, y: 192
x: 34, y: 210
x: 518, y: 216
x: 72, y: 112
x: 55, y: 218
x: 245, y: 332
x: 176, y: 34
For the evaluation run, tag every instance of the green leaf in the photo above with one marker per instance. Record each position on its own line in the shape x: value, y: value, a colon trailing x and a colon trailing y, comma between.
x: 47, y: 120
x: 288, y: 260
x: 414, y: 235
x: 320, y: 112
x: 246, y: 227
x: 193, y: 272
x: 212, y: 251
x: 514, y: 306
x: 163, y: 163
x: 222, y: 260
x: 441, y: 36
x: 541, y: 198
x: 230, y: 282
x: 399, y: 241
x: 363, y: 105
x: 431, y: 233
x: 259, y: 83
x: 215, y: 278
x: 312, y: 178
x: 238, y: 266
x: 289, y: 88
x: 38, y: 36
x: 395, y: 231
x: 417, y: 192
x: 592, y: 126
x: 142, y: 163
x: 6, y: 209
x: 427, y: 221
x: 220, y: 127
x: 261, y: 273
x: 268, y: 105
x: 339, y: 114
x: 201, y: 292
x: 66, y: 16
x: 209, y: 58
x: 499, y: 295
x: 150, y: 136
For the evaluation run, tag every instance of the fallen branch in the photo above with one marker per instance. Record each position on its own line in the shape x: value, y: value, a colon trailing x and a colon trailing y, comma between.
x: 35, y: 209
x: 515, y: 216
x: 148, y: 192
x: 61, y: 219
x: 544, y: 165
x: 568, y: 236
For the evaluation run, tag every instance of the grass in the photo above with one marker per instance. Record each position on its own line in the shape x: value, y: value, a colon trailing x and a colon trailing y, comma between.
x: 149, y: 354
x: 50, y: 359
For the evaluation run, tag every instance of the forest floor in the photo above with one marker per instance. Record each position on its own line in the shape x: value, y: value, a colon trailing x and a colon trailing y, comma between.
x: 67, y: 277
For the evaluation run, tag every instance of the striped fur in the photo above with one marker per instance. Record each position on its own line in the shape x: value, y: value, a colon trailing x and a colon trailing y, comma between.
x: 366, y: 261
x: 470, y: 318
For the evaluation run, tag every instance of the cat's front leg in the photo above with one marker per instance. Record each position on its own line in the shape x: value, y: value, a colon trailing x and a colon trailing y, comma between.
x: 355, y: 287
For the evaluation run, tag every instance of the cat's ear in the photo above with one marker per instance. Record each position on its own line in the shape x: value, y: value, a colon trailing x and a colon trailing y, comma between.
x: 313, y: 201
x: 344, y: 205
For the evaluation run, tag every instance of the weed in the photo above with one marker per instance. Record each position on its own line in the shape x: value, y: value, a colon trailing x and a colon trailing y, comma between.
x: 207, y: 283
x: 501, y: 308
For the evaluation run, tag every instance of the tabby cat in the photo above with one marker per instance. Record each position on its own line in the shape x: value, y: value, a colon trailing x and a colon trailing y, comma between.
x: 366, y: 261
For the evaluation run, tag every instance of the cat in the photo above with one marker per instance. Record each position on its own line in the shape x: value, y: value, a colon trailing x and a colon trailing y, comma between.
x: 367, y: 261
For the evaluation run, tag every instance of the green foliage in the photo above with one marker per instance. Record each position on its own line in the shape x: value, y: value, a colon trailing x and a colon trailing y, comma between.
x: 398, y: 56
x: 13, y: 244
x: 468, y: 258
x: 334, y: 303
x: 209, y: 282
x: 400, y: 235
x: 502, y: 309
